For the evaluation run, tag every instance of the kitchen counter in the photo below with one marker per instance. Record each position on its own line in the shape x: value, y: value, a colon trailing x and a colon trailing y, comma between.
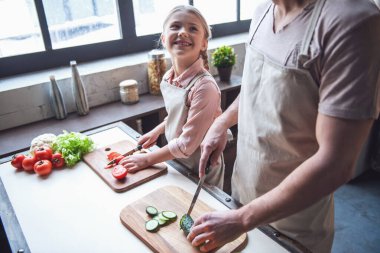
x: 73, y: 210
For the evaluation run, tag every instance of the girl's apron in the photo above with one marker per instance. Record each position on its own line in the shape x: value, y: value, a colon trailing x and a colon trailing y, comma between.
x: 175, y: 102
x: 278, y: 108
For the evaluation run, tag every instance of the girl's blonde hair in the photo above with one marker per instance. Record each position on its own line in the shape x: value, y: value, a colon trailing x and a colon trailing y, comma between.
x: 206, y: 27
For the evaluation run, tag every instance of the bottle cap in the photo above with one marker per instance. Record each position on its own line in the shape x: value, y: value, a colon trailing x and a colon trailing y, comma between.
x: 127, y: 83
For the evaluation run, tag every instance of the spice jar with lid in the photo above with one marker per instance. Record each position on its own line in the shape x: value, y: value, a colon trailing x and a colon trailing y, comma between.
x: 156, y: 70
x: 129, y: 93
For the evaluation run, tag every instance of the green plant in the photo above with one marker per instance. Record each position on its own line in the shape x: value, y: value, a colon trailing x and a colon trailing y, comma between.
x: 223, y: 56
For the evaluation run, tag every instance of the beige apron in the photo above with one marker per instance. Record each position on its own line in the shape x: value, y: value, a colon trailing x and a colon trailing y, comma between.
x: 175, y: 102
x: 278, y: 108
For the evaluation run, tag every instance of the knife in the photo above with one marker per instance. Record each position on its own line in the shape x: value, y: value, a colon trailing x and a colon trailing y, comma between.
x: 130, y: 152
x: 199, y: 187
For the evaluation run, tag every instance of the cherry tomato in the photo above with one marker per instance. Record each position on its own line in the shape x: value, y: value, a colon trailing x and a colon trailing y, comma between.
x: 119, y: 172
x: 43, y: 153
x: 43, y: 167
x: 17, y: 161
x: 28, y: 163
x: 112, y: 155
x: 57, y: 160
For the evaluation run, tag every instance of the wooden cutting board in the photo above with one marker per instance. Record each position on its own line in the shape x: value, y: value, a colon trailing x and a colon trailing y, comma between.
x: 97, y: 160
x: 169, y: 238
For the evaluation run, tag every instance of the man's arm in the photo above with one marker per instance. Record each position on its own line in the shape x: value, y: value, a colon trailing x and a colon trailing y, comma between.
x: 215, y: 140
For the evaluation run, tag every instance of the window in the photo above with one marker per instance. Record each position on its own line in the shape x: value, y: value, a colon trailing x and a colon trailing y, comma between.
x: 42, y: 34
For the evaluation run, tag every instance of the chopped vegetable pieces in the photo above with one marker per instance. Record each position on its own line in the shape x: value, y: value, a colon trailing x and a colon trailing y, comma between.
x: 158, y: 217
x: 151, y: 225
x: 151, y: 210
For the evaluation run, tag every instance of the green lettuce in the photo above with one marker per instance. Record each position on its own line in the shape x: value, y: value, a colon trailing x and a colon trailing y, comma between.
x: 73, y: 146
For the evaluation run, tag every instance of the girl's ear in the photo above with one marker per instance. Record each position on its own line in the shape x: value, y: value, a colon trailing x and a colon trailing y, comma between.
x: 205, y: 45
x: 162, y: 37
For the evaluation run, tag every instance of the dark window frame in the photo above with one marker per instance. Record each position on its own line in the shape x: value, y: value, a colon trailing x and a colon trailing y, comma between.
x: 129, y: 43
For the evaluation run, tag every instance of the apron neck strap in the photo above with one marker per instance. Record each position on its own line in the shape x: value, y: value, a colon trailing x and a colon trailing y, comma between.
x: 259, y: 23
x: 306, y: 41
x: 195, y: 79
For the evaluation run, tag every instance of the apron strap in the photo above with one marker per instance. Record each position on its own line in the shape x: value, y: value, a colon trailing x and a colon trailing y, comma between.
x: 195, y: 79
x: 259, y: 23
x: 306, y: 41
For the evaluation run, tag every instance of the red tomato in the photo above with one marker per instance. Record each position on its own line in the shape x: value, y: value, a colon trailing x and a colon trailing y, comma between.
x: 118, y: 159
x: 17, y: 161
x: 119, y: 172
x: 112, y: 155
x: 28, y: 163
x: 42, y: 167
x: 43, y: 153
x: 57, y: 160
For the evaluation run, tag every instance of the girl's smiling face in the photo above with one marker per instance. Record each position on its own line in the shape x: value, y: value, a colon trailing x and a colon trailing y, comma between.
x: 184, y: 37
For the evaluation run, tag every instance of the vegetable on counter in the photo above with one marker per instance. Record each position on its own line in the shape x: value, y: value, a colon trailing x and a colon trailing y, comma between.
x: 43, y: 167
x: 72, y: 146
x: 42, y: 140
x: 17, y: 161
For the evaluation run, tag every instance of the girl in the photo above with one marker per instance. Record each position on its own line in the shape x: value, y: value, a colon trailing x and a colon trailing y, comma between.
x: 191, y: 95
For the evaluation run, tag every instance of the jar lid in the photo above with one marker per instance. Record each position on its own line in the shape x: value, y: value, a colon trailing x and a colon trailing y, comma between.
x: 127, y: 83
x: 156, y: 54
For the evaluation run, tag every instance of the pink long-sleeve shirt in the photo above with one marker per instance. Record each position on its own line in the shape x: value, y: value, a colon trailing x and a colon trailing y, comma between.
x: 204, y: 106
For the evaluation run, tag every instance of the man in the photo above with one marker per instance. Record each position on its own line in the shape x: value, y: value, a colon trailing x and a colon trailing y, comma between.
x: 309, y: 96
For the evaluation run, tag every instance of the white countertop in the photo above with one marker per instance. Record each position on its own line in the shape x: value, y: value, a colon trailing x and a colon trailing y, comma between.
x: 73, y: 210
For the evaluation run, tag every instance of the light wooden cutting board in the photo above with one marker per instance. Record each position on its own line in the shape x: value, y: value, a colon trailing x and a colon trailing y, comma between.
x: 169, y: 238
x: 97, y: 160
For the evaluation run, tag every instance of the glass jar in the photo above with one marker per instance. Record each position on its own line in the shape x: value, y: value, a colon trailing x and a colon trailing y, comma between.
x: 129, y: 93
x: 156, y: 70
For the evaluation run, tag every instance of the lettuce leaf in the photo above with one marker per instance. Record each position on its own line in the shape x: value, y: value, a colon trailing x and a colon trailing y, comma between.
x: 72, y: 146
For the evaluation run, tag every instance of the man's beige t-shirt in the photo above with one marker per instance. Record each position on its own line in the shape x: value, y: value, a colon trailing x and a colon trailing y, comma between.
x: 345, y: 53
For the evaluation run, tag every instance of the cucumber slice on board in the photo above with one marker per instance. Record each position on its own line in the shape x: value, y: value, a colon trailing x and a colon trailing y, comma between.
x: 169, y: 215
x: 151, y: 210
x: 161, y: 222
x: 151, y: 225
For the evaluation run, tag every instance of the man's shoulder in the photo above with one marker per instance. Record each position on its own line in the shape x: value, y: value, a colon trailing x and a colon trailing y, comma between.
x: 343, y: 13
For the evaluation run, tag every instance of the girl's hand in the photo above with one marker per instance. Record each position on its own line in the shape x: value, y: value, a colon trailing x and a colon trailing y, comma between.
x: 149, y: 139
x: 135, y: 163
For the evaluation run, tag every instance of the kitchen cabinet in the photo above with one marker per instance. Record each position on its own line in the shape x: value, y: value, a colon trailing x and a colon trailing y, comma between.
x: 73, y: 210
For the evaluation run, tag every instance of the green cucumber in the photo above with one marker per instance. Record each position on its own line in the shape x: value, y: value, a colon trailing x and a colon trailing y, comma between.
x: 151, y: 211
x: 186, y: 223
x: 151, y: 225
x: 169, y: 215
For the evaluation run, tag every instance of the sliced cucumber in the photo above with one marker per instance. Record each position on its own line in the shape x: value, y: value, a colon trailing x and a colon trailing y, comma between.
x: 151, y: 210
x: 151, y: 225
x: 170, y: 215
x: 162, y: 217
x: 161, y: 222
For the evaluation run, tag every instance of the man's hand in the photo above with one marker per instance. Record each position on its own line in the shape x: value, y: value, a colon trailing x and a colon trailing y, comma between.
x: 212, y: 146
x: 213, y: 230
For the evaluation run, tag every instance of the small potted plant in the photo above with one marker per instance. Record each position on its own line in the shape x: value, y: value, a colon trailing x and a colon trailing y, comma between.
x: 224, y: 58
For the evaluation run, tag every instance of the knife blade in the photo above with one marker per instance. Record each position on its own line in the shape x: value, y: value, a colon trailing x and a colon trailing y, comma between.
x: 130, y: 152
x: 199, y: 187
